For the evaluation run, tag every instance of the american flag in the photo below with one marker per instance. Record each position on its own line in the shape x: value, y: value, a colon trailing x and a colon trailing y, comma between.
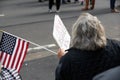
x: 11, y: 74
x: 12, y: 51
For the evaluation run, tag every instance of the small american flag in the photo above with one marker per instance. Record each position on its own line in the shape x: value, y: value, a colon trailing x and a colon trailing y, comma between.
x: 12, y: 51
x: 11, y: 74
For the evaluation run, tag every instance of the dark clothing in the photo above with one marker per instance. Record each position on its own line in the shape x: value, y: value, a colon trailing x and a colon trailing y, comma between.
x: 51, y: 3
x: 112, y: 74
x: 65, y: 1
x: 83, y: 65
x: 76, y: 0
x: 112, y: 4
x: 39, y: 0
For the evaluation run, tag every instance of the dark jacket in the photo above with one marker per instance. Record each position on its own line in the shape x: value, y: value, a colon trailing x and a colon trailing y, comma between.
x: 83, y: 65
x: 112, y: 74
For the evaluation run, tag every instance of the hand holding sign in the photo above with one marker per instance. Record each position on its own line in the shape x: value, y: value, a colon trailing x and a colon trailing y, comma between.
x: 60, y: 33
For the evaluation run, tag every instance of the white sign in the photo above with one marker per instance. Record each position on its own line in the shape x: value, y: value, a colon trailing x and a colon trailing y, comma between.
x: 60, y: 33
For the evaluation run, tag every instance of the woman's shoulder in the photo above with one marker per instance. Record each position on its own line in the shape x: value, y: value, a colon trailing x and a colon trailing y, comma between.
x: 75, y: 53
x: 113, y: 42
x: 69, y: 53
x: 112, y: 47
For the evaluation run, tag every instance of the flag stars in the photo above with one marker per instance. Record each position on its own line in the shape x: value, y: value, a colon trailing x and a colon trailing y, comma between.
x: 13, y: 51
x: 8, y: 43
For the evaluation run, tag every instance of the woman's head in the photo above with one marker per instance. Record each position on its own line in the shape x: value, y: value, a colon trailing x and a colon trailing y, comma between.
x: 88, y: 33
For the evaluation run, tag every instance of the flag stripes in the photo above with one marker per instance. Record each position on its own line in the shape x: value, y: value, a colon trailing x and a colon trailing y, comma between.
x: 15, y: 60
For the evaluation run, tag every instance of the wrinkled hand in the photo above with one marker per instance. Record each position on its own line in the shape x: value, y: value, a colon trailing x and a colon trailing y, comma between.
x: 60, y: 52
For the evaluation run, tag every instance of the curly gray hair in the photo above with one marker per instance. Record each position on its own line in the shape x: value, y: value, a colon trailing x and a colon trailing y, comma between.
x: 88, y: 33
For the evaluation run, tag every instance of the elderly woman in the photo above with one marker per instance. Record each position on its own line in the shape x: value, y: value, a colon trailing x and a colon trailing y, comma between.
x: 90, y: 52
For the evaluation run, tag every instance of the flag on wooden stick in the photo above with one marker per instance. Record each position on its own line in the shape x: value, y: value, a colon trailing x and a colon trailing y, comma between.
x: 12, y: 51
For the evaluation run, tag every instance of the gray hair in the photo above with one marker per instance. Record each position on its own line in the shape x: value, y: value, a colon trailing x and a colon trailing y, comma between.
x: 88, y: 33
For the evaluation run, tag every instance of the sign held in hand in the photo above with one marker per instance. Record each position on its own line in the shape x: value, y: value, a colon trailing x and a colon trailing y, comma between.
x: 60, y: 33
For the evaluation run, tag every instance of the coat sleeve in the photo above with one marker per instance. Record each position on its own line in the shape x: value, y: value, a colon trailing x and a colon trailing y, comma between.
x: 112, y: 74
x: 63, y: 70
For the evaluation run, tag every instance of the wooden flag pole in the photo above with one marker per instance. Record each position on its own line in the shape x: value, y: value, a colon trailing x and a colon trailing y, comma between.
x: 30, y: 42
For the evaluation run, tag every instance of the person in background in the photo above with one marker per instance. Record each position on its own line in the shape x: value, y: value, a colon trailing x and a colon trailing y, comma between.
x: 42, y: 0
x: 65, y: 1
x: 51, y: 3
x: 112, y: 6
x: 111, y: 74
x: 68, y: 1
x: 39, y: 0
x: 90, y: 52
x: 81, y: 2
x: 75, y: 1
x: 91, y: 2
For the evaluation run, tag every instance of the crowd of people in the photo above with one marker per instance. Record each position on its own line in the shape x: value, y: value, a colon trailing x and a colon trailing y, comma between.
x: 86, y: 2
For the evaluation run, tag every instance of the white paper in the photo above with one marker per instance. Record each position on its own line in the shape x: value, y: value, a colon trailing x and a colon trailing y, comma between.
x: 60, y: 33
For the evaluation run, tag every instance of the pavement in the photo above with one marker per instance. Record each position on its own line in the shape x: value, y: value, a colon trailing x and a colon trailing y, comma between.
x: 40, y: 64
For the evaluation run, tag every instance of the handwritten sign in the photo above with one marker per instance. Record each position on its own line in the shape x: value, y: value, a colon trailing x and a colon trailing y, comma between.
x: 60, y: 33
